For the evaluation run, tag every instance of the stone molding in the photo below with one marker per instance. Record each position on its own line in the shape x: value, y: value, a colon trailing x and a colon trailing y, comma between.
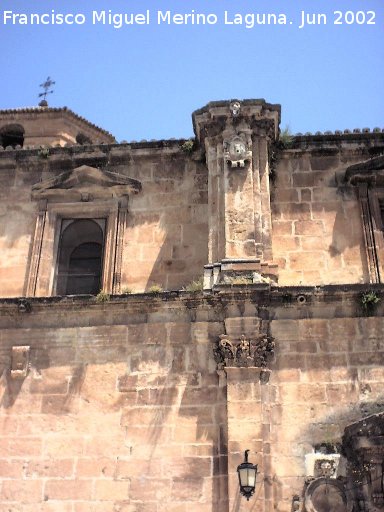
x: 368, y: 178
x: 371, y: 172
x: 85, y: 184
x: 225, y: 271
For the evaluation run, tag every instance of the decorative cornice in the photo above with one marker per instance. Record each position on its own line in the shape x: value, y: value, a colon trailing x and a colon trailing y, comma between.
x: 212, y: 119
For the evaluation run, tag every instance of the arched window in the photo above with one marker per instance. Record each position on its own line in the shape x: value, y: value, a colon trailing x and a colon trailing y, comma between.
x: 12, y: 135
x: 80, y: 259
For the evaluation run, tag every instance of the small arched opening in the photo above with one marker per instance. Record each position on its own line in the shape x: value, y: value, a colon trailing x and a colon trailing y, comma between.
x: 80, y: 260
x: 83, y: 139
x: 12, y: 135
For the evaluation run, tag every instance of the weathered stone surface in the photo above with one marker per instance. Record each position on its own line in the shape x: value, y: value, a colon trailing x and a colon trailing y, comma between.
x: 121, y: 407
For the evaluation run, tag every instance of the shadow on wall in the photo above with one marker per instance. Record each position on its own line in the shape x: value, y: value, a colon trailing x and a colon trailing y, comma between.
x: 326, y: 435
x: 169, y: 395
x: 174, y: 251
x: 13, y: 387
x: 11, y: 390
x: 329, y: 429
x: 186, y: 404
x: 347, y: 233
x: 180, y: 201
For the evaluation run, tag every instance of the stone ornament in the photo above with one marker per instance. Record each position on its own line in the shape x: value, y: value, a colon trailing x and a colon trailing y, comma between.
x: 85, y: 184
x: 256, y: 352
x: 236, y: 151
x: 20, y: 361
x: 326, y: 468
x: 235, y: 107
x: 327, y: 465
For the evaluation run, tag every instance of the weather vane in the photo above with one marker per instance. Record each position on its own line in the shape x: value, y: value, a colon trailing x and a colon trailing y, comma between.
x: 47, y: 90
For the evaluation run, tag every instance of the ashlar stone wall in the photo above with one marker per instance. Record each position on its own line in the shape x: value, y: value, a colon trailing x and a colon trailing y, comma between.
x: 165, y: 233
x: 317, y: 221
x: 120, y: 415
x: 123, y: 407
x: 317, y: 232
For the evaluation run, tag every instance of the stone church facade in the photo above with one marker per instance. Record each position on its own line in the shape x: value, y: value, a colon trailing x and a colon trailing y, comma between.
x: 167, y: 305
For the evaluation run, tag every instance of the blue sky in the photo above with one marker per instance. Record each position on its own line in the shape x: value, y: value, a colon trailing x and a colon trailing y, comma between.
x: 144, y: 81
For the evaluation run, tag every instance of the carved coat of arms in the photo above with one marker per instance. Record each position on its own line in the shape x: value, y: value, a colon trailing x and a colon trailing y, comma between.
x: 236, y: 151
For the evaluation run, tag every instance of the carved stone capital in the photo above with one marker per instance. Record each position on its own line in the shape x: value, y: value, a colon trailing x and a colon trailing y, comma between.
x: 208, y: 120
x: 245, y: 352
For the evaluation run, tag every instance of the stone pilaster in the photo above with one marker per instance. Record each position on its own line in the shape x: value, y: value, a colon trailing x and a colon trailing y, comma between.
x: 36, y: 249
x: 236, y: 137
x: 121, y: 222
x: 243, y: 368
x: 246, y: 413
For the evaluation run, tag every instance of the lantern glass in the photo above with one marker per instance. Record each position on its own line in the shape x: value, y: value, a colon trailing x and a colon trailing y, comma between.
x: 247, y: 477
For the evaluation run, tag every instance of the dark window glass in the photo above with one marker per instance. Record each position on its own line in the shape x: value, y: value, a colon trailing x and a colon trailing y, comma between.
x: 80, y: 259
x: 84, y: 269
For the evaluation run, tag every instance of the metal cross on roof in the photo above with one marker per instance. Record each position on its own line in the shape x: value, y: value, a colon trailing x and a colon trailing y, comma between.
x: 46, y: 86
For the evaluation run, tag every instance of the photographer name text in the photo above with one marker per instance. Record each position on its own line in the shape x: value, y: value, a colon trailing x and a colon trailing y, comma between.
x: 250, y: 20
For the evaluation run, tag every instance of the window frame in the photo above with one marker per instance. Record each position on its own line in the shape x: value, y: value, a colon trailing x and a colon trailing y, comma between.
x: 45, y: 250
x: 375, y: 197
x: 369, y: 199
x: 81, y: 193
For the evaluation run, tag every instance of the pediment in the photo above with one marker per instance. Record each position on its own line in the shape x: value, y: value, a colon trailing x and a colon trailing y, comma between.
x: 86, y: 181
x: 370, y: 171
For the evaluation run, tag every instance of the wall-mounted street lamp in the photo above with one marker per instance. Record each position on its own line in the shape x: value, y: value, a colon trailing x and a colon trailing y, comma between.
x: 247, y: 476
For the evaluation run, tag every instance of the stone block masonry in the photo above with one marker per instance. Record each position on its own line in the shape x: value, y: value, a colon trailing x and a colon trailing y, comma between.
x: 133, y: 415
x: 129, y: 401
